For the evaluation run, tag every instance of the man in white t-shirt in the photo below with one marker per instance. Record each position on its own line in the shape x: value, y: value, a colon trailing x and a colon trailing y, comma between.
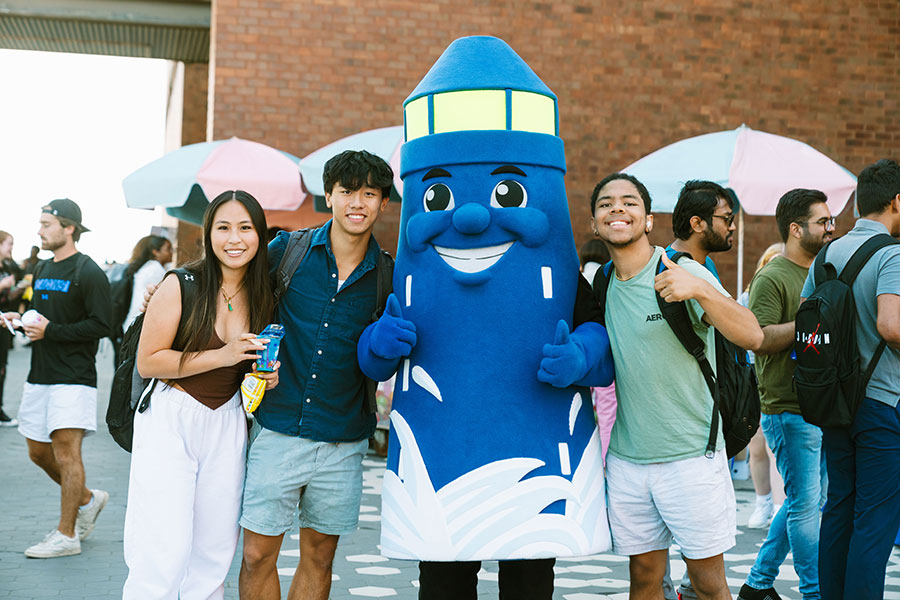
x: 661, y: 486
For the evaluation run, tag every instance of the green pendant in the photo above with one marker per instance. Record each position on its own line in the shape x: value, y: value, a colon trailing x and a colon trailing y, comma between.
x: 229, y: 307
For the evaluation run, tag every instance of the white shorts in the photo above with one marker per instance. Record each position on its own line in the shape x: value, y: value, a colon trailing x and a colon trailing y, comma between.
x: 46, y: 408
x: 690, y: 501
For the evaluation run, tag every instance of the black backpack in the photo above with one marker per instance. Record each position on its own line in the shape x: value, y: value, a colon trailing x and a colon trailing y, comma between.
x: 130, y: 392
x: 76, y: 279
x: 827, y: 377
x: 295, y: 250
x: 121, y: 288
x: 733, y: 386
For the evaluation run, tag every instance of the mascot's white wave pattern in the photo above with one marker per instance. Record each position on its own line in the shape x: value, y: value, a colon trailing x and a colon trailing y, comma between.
x: 493, y: 510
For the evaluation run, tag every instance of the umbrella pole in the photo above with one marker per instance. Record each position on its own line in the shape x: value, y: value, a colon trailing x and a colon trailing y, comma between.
x: 740, y: 256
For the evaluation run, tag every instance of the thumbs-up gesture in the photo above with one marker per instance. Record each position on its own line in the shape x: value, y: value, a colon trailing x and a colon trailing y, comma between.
x: 392, y: 336
x: 676, y: 284
x: 564, y: 360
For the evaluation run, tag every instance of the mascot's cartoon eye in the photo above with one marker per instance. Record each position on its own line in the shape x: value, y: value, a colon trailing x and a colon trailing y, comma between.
x: 438, y: 197
x: 509, y: 194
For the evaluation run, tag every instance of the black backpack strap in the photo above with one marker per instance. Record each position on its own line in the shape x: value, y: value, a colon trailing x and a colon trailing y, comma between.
x: 600, y: 286
x: 863, y: 254
x: 295, y: 250
x: 384, y: 275
x: 823, y: 271
x: 79, y: 265
x: 848, y: 276
x: 38, y: 268
x: 675, y: 256
x: 676, y: 315
x: 145, y: 397
x: 188, y: 284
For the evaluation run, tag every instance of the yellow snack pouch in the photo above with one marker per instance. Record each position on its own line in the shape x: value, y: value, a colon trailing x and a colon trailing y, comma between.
x: 252, y: 390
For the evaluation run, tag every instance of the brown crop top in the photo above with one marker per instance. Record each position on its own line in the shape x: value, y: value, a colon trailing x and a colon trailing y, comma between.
x: 214, y: 388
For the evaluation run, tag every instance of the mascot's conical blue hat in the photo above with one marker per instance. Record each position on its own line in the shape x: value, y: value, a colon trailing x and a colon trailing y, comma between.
x: 478, y: 98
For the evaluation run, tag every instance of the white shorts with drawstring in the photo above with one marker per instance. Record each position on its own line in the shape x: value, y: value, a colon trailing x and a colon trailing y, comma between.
x: 690, y: 501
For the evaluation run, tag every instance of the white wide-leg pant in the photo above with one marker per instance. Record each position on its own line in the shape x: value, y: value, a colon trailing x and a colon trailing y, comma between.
x: 184, y: 497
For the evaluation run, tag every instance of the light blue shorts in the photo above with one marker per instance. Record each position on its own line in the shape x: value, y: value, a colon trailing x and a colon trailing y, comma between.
x: 283, y: 471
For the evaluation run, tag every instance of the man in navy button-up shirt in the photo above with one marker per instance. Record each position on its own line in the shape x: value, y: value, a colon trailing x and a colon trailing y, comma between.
x: 311, y: 432
x: 318, y: 396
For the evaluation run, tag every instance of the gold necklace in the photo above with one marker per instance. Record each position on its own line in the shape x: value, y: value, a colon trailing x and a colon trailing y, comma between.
x: 228, y: 298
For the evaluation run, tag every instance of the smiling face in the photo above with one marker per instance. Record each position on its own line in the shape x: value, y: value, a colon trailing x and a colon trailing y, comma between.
x: 233, y: 238
x: 471, y: 216
x: 619, y: 215
x: 817, y: 230
x: 354, y: 212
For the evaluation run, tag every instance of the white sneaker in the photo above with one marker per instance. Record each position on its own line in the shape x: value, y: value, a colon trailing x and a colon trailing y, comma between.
x: 6, y: 420
x: 55, y: 544
x: 87, y: 517
x: 762, y: 514
x: 740, y: 470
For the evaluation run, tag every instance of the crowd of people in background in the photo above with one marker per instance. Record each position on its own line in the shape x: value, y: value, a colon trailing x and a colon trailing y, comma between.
x: 194, y: 483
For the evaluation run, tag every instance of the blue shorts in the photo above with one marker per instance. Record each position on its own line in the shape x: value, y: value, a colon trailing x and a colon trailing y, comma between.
x: 324, y: 478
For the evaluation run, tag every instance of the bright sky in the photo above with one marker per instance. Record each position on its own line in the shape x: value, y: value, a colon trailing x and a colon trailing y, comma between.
x: 74, y: 125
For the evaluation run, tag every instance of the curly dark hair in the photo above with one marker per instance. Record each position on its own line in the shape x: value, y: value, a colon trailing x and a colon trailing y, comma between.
x: 355, y: 168
x: 641, y: 188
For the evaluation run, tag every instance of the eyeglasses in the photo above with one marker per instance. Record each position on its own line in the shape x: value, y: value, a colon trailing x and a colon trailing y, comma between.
x: 729, y: 219
x: 824, y: 222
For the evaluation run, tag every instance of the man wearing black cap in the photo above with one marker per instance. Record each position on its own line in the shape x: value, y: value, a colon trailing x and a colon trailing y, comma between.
x: 59, y: 402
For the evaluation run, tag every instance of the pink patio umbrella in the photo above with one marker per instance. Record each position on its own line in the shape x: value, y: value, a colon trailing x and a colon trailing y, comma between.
x: 760, y: 167
x: 185, y: 179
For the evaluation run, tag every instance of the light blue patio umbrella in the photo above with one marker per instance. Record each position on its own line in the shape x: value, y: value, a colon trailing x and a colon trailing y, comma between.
x: 384, y: 142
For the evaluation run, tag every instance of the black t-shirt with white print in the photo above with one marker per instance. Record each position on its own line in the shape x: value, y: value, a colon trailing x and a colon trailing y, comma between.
x: 79, y: 310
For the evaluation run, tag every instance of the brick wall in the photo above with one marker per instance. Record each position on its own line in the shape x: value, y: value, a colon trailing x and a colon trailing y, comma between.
x: 189, y: 244
x: 196, y: 91
x: 631, y: 77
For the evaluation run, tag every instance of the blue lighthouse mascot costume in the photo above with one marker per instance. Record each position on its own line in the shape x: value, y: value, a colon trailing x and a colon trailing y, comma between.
x: 493, y: 451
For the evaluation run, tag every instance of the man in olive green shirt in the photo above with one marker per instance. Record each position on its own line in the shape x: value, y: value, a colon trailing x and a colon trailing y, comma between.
x: 805, y: 225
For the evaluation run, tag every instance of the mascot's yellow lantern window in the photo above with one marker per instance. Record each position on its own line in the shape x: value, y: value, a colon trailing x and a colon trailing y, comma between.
x: 473, y: 110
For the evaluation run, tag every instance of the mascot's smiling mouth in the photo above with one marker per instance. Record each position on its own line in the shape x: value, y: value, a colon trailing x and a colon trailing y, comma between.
x: 472, y: 260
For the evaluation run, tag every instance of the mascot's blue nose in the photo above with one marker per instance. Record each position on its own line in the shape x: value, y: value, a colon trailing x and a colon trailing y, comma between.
x: 471, y: 218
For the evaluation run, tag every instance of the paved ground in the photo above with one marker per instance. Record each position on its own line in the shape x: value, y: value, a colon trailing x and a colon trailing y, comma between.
x: 29, y: 502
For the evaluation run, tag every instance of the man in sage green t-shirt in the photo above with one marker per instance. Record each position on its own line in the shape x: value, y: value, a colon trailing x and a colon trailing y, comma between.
x: 805, y: 225
x: 660, y: 485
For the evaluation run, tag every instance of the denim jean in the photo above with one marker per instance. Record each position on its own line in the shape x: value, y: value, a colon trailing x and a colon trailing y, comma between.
x: 797, y: 446
x: 861, y: 516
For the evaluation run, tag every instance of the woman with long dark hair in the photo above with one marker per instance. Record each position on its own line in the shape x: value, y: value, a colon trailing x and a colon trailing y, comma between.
x: 147, y: 267
x: 12, y: 285
x: 187, y: 465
